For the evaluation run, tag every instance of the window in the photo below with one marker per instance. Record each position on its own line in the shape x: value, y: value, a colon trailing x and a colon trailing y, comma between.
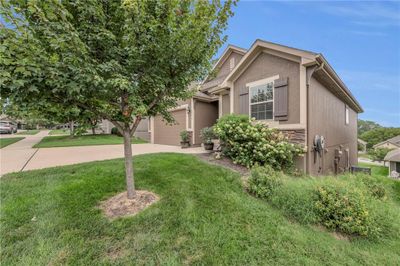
x: 347, y: 115
x: 261, y: 101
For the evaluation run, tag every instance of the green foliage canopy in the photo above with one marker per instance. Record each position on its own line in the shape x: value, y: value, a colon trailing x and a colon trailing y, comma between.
x: 366, y: 125
x: 119, y: 59
x: 377, y: 135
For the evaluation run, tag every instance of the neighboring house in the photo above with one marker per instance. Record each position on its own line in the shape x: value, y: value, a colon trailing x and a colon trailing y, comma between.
x: 363, y: 145
x: 142, y: 130
x: 293, y: 90
x: 393, y: 157
x: 392, y: 143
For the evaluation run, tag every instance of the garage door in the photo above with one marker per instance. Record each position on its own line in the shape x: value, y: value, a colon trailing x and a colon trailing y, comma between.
x: 169, y: 134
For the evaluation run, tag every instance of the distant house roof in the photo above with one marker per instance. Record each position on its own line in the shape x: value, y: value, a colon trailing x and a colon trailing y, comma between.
x: 395, y: 141
x: 393, y: 156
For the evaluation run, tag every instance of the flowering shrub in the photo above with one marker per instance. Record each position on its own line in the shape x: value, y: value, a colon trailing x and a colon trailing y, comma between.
x: 248, y: 143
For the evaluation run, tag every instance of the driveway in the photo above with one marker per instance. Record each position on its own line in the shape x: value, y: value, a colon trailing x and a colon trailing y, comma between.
x: 20, y: 156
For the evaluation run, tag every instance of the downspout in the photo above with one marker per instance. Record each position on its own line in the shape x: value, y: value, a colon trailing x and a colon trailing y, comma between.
x: 309, y: 72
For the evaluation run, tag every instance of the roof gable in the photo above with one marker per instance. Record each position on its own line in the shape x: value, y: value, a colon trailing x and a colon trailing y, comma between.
x: 306, y: 58
x: 395, y: 141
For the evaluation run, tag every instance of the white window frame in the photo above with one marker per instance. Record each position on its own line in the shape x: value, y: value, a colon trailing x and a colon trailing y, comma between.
x: 261, y: 82
x: 346, y: 115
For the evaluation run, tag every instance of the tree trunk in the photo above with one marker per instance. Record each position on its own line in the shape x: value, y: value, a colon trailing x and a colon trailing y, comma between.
x: 130, y: 185
x: 71, y: 128
x: 94, y: 130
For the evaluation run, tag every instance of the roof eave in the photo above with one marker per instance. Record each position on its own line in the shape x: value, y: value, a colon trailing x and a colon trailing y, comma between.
x: 333, y: 75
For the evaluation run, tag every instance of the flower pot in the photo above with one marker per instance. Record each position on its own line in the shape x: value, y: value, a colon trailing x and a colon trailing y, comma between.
x: 185, y: 144
x: 208, y: 146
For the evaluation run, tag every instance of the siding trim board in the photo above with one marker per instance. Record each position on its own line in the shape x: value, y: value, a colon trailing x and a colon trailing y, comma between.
x: 281, y: 96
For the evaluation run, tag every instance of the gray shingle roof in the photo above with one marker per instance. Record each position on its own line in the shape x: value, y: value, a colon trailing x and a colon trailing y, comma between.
x: 393, y: 156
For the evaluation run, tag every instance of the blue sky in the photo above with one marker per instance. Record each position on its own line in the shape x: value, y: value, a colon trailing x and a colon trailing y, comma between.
x: 361, y: 40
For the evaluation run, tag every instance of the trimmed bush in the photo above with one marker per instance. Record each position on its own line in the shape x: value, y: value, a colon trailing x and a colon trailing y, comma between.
x: 207, y: 134
x: 344, y: 209
x: 249, y: 143
x: 115, y: 131
x: 341, y: 203
x: 185, y: 136
x: 264, y: 181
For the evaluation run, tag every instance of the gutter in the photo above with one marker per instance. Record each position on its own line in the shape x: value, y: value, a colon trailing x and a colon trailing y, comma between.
x: 320, y: 60
x: 309, y: 72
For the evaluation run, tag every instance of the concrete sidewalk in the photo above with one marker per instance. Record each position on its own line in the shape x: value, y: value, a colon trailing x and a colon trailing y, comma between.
x: 14, y: 157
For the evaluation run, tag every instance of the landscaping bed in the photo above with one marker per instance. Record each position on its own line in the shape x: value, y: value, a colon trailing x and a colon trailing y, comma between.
x: 84, y: 140
x: 203, y: 216
x: 4, y: 142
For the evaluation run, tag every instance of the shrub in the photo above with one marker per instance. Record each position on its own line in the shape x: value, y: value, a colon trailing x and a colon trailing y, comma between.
x: 342, y: 208
x: 378, y: 154
x: 207, y: 134
x: 264, y: 181
x: 374, y: 187
x: 248, y: 143
x: 185, y: 136
x: 115, y: 131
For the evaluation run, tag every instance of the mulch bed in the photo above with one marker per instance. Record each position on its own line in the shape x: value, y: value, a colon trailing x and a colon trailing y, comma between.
x: 121, y: 206
x: 224, y: 162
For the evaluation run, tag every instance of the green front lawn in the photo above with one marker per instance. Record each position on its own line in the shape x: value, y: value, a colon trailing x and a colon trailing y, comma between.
x: 204, y: 217
x: 85, y: 140
x: 4, y: 142
x: 28, y: 132
x: 376, y: 169
x: 59, y: 132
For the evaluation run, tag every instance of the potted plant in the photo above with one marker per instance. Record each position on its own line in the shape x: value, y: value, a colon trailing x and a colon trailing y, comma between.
x: 185, y: 139
x: 207, y: 134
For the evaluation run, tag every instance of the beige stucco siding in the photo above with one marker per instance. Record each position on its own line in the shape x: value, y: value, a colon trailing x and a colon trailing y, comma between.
x: 226, y: 105
x: 224, y: 69
x: 386, y: 145
x: 206, y: 114
x: 327, y: 118
x: 169, y: 134
x: 265, y: 66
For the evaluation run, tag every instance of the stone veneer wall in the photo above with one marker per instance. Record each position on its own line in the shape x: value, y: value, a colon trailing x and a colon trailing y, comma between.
x: 297, y: 136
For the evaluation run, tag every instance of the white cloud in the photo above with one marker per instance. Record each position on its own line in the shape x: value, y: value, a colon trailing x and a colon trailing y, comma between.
x: 390, y: 14
x: 366, y: 81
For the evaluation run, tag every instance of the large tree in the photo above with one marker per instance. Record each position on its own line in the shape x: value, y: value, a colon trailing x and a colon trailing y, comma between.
x: 380, y: 134
x: 122, y: 60
x: 366, y: 125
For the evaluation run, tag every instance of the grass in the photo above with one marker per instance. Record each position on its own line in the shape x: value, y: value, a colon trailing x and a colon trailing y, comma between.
x: 59, y: 132
x: 28, y: 132
x: 204, y: 217
x: 4, y: 142
x: 376, y: 170
x: 84, y: 140
x: 364, y: 155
